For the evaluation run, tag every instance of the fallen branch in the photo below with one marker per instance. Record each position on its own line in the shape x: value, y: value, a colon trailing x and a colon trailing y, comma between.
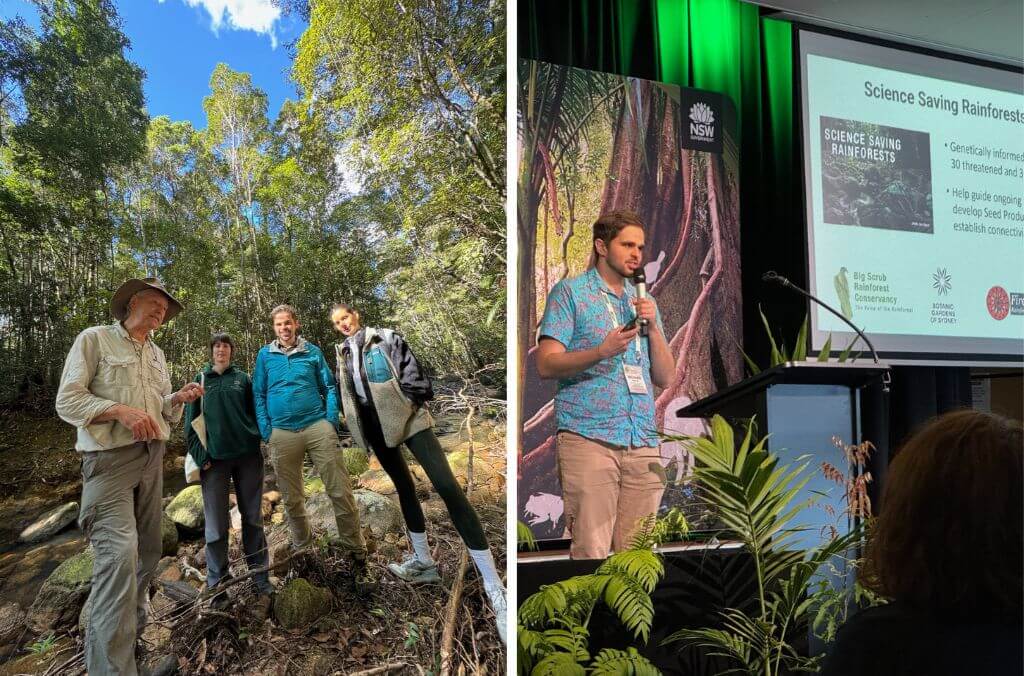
x: 455, y: 598
x: 197, y: 602
x: 383, y: 669
x: 52, y: 670
x: 451, y: 612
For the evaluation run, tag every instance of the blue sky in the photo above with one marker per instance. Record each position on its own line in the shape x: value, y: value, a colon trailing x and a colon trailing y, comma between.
x: 178, y: 43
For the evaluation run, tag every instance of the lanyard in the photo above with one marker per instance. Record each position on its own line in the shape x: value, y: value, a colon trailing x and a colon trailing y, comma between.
x: 615, y: 322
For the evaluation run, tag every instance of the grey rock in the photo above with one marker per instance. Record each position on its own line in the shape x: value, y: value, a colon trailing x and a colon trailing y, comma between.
x: 12, y: 628
x: 51, y: 523
x: 376, y: 512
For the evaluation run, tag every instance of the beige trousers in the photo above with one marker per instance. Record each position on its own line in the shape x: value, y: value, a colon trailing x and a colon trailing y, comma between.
x: 287, y: 450
x: 606, y: 491
x: 120, y: 514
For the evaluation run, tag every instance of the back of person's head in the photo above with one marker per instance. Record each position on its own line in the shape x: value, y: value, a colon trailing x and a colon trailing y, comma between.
x: 949, y: 536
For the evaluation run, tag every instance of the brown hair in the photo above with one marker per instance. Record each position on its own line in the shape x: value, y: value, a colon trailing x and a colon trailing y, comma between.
x: 343, y: 306
x: 222, y: 337
x: 284, y: 307
x: 608, y: 226
x: 949, y: 535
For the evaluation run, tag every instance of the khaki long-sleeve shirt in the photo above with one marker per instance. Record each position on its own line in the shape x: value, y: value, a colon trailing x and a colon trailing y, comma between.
x: 106, y: 366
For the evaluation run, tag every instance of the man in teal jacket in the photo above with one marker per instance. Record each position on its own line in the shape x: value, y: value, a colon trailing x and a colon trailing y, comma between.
x: 297, y: 412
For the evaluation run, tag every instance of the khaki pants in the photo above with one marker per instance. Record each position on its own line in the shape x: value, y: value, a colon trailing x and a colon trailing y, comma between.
x: 121, y: 512
x: 606, y: 490
x: 287, y: 450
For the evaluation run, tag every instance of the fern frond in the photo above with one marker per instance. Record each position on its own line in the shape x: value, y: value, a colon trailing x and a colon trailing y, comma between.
x: 572, y: 640
x: 558, y: 664
x: 543, y: 605
x: 642, y: 565
x: 627, y: 662
x: 631, y: 603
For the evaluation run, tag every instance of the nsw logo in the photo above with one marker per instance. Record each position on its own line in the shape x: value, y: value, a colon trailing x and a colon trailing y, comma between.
x: 702, y: 122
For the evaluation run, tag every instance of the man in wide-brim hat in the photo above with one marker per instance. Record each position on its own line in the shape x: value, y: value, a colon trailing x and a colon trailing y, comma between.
x: 116, y: 390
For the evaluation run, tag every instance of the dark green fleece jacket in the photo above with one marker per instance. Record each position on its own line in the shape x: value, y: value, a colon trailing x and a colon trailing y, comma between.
x: 230, y: 415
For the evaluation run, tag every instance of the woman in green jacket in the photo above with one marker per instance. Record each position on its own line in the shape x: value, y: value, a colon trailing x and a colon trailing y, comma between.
x: 383, y: 392
x: 232, y: 453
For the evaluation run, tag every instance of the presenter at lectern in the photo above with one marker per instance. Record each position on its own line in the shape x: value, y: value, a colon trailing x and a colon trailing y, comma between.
x: 591, y: 340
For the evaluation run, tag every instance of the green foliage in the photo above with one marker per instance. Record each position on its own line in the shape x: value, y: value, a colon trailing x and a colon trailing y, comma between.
x: 780, y: 355
x: 552, y: 636
x: 382, y: 187
x: 755, y: 500
x: 672, y: 527
x: 423, y: 123
x: 43, y: 645
x: 525, y: 536
x: 626, y: 662
x: 412, y: 635
x: 833, y: 606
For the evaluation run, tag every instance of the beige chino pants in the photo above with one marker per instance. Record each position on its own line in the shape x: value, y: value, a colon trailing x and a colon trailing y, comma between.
x: 120, y: 514
x: 606, y: 491
x: 287, y: 450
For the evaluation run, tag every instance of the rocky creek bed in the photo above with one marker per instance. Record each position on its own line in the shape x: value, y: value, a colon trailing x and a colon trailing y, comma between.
x: 316, y: 625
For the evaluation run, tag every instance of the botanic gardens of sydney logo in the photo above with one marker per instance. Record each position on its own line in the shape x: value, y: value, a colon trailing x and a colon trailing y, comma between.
x: 942, y: 281
x: 702, y: 122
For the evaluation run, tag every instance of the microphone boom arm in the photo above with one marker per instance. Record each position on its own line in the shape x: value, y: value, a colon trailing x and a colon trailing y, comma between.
x: 772, y: 276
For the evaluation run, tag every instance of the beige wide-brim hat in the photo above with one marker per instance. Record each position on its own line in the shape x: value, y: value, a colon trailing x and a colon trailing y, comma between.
x: 124, y: 293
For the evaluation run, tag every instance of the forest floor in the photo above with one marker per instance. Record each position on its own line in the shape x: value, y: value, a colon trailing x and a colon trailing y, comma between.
x: 398, y: 629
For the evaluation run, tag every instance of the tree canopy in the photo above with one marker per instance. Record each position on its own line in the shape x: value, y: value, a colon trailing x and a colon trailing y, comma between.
x: 380, y: 185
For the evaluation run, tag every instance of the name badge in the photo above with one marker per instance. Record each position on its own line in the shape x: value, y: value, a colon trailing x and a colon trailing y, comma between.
x: 635, y: 379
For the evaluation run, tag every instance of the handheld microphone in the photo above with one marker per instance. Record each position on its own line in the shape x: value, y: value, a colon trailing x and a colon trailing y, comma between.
x: 772, y: 276
x: 640, y: 282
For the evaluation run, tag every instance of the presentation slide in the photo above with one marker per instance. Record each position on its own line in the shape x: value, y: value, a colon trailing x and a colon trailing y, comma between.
x: 914, y: 170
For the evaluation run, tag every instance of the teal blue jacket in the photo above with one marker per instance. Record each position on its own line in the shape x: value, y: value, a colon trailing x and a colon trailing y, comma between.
x: 293, y: 391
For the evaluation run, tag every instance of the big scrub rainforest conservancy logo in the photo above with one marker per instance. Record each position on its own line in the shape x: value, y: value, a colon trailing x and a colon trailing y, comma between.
x: 702, y: 122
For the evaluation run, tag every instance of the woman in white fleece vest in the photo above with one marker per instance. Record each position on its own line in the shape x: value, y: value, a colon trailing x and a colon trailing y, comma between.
x: 383, y: 392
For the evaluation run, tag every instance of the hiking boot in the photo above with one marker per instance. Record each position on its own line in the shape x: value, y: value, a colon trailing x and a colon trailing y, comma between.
x: 362, y: 577
x: 259, y: 609
x: 415, y: 571
x: 220, y: 601
x: 496, y: 595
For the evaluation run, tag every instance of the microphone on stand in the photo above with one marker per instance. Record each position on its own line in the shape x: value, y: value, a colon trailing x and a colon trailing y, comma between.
x: 640, y: 282
x: 772, y: 276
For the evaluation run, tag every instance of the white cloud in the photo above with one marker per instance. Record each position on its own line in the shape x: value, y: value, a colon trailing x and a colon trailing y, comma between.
x: 258, y: 16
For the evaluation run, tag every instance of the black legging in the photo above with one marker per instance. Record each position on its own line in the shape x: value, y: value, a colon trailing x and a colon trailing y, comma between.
x: 428, y: 452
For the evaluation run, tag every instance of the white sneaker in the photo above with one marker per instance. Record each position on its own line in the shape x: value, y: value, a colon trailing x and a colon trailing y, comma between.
x: 414, y: 571
x: 496, y: 595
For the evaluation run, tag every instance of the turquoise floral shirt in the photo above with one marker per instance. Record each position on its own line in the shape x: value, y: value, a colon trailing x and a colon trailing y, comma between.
x: 596, y: 403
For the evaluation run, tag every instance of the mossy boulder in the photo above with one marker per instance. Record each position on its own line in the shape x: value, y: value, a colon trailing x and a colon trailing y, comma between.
x: 186, y: 509
x: 299, y: 604
x: 356, y: 460
x: 63, y: 593
x: 483, y: 468
x: 168, y: 536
